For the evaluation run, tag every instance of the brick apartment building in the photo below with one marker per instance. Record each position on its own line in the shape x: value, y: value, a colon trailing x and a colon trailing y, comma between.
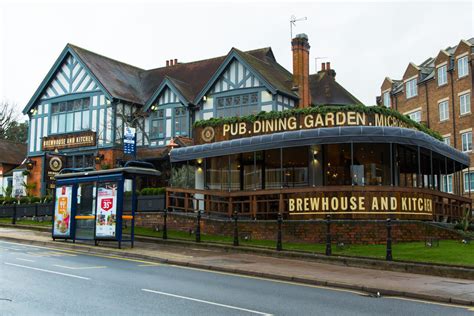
x: 438, y: 93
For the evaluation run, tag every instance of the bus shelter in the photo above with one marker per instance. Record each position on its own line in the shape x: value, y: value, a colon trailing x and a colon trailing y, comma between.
x: 90, y: 205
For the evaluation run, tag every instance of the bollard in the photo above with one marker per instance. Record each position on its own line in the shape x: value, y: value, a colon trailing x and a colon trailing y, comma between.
x: 198, y: 227
x: 279, y: 246
x: 389, y: 240
x: 14, y: 214
x: 165, y: 226
x: 328, y: 235
x: 236, y: 230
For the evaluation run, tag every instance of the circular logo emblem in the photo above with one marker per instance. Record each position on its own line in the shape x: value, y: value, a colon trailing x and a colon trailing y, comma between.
x: 55, y: 164
x: 207, y: 134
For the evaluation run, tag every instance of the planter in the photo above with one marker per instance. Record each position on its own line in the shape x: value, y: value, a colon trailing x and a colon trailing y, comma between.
x: 151, y: 203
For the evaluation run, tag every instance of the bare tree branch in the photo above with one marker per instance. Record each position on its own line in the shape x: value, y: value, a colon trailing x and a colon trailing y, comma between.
x: 7, y: 116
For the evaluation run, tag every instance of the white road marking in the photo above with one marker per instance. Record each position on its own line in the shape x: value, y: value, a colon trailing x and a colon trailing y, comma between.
x: 207, y: 302
x: 48, y: 271
x: 79, y: 268
x: 25, y: 259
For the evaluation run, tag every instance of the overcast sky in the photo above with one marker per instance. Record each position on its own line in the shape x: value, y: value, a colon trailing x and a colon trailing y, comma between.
x: 364, y: 41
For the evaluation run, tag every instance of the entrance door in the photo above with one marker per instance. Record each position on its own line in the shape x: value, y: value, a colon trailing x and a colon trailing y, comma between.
x: 86, y: 210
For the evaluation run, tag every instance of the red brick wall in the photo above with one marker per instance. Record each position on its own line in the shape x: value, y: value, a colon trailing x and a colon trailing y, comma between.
x: 303, y: 231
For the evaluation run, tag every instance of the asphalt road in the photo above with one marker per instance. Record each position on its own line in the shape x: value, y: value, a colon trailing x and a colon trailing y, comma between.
x: 47, y: 281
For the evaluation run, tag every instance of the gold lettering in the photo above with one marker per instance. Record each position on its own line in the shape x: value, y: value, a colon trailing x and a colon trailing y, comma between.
x: 329, y: 119
x: 257, y: 127
x: 325, y: 204
x: 334, y: 203
x: 353, y: 202
x: 340, y: 118
x: 393, y: 203
x: 362, y: 203
x: 306, y: 204
x: 291, y: 204
x: 308, y: 121
x: 361, y: 119
x: 299, y: 203
x: 242, y: 128
x: 292, y: 123
x: 315, y: 204
x: 384, y: 203
x: 375, y: 204
x: 351, y: 118
x: 404, y: 204
x: 319, y: 121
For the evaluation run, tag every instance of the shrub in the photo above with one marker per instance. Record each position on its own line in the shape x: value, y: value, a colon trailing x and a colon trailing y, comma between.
x: 24, y: 200
x: 9, y: 200
x: 152, y: 191
x: 35, y: 199
x: 47, y: 199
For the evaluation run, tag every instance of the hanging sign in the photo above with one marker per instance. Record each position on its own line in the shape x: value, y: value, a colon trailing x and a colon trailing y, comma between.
x: 62, y: 212
x: 106, y: 210
x: 129, y: 141
x: 54, y: 164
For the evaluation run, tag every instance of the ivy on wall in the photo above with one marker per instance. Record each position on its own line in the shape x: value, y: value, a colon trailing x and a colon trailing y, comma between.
x: 322, y: 109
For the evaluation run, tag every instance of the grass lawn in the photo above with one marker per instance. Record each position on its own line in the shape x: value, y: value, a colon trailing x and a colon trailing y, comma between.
x: 27, y: 222
x: 449, y: 251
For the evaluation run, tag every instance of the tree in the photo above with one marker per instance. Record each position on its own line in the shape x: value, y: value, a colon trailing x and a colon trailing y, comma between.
x: 7, y: 116
x: 9, y: 127
x: 17, y: 132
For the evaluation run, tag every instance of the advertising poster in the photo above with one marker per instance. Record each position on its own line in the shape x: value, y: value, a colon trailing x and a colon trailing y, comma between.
x: 106, y: 210
x: 18, y: 184
x: 62, y: 212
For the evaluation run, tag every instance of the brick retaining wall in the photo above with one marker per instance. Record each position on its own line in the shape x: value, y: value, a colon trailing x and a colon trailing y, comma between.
x: 302, y: 231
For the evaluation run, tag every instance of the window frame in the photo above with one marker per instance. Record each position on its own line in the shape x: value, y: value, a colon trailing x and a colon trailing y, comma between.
x: 469, y: 141
x: 444, y: 75
x: 386, y: 97
x: 63, y: 110
x: 467, y: 97
x: 412, y: 87
x: 470, y: 175
x: 444, y: 103
x: 465, y: 67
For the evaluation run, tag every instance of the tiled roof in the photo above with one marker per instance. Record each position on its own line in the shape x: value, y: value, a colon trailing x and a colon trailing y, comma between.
x: 325, y: 90
x: 12, y: 153
x: 133, y: 84
x: 427, y: 68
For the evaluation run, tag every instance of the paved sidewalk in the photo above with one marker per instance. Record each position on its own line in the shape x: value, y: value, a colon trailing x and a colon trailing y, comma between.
x: 433, y: 288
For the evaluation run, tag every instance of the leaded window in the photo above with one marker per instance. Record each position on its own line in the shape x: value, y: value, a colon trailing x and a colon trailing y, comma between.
x: 180, y: 122
x: 157, y: 128
x: 237, y: 105
x: 70, y: 116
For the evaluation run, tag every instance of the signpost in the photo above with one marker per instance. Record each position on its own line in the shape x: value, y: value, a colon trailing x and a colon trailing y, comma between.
x: 130, y: 141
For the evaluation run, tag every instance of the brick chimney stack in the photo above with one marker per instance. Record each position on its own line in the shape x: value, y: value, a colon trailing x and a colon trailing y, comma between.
x: 300, y: 48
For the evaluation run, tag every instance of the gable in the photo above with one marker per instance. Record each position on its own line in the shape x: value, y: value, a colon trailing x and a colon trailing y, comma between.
x: 387, y: 84
x: 411, y: 71
x: 70, y: 77
x: 442, y: 57
x: 167, y: 96
x: 462, y: 48
x: 235, y: 76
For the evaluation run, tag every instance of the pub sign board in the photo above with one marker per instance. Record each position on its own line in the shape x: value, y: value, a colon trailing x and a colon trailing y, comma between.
x: 71, y: 140
x: 53, y: 165
x: 228, y: 131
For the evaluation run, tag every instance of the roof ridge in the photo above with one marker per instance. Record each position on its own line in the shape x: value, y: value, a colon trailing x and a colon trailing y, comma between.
x: 103, y: 56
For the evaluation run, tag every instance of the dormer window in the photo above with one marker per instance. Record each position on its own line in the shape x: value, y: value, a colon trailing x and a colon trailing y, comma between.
x: 442, y: 75
x: 462, y: 67
x: 411, y: 88
x: 70, y: 116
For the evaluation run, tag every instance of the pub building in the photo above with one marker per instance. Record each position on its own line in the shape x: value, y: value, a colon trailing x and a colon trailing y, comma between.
x: 195, y: 115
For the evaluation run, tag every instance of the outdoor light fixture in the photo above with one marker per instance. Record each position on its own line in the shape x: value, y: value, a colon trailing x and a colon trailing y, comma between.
x: 98, y: 158
x: 204, y: 98
x: 30, y: 163
x: 154, y: 108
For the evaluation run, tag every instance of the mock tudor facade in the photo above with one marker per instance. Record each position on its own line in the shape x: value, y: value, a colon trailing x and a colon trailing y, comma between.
x: 438, y: 93
x: 80, y: 110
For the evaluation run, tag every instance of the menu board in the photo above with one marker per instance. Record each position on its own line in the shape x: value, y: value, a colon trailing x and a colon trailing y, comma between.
x: 62, y: 212
x: 106, y: 210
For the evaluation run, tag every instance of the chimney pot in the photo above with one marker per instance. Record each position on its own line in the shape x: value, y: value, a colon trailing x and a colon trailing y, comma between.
x: 328, y: 65
x: 323, y: 66
x: 167, y: 63
x: 175, y: 62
